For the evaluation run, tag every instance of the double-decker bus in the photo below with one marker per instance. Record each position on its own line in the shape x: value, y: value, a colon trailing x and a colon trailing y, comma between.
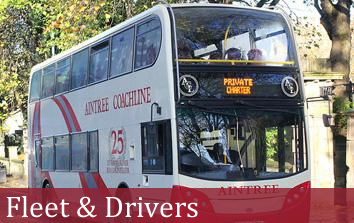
x: 183, y: 96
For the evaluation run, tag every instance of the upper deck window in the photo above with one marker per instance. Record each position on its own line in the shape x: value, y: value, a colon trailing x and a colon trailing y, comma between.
x: 99, y: 62
x: 232, y: 36
x: 122, y: 52
x: 80, y: 67
x: 48, y: 81
x: 62, y: 77
x: 148, y: 41
x: 35, y: 93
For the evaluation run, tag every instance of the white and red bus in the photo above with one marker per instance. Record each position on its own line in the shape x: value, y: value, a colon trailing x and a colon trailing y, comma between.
x: 195, y: 95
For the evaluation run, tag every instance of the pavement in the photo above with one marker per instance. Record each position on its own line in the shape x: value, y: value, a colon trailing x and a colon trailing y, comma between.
x: 332, y: 214
x: 15, y: 182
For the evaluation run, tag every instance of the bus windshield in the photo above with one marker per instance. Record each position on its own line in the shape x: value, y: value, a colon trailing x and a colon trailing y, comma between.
x: 243, y: 144
x: 232, y: 36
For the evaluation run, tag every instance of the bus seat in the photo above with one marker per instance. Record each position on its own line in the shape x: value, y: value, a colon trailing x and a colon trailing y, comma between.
x: 233, y: 54
x: 218, y: 152
x: 255, y: 54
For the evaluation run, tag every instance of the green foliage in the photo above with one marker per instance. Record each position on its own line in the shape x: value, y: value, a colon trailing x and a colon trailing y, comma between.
x: 8, y: 83
x: 20, y: 27
x: 272, y: 143
x: 341, y: 105
x: 74, y: 21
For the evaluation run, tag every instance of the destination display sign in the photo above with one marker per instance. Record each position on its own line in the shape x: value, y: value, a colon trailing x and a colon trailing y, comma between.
x: 207, y: 85
x: 238, y: 86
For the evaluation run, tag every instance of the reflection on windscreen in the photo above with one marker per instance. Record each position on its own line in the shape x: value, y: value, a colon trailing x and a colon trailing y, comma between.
x: 244, y: 36
x: 239, y: 145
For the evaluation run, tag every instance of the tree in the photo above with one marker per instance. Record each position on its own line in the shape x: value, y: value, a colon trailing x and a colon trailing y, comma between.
x: 20, y: 26
x: 8, y: 82
x: 74, y: 21
x: 335, y: 18
x: 32, y: 29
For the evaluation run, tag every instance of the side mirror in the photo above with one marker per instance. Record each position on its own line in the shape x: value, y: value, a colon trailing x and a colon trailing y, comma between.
x: 158, y: 111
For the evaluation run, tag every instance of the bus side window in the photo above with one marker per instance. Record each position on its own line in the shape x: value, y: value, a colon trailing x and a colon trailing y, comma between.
x: 35, y: 93
x: 122, y: 53
x: 79, y: 69
x: 93, y: 151
x: 62, y: 76
x: 79, y: 152
x: 99, y: 62
x: 157, y: 147
x: 47, y: 154
x: 48, y: 80
x: 148, y: 41
x: 62, y: 153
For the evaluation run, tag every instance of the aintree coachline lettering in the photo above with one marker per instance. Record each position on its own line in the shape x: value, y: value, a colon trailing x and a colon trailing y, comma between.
x: 132, y: 98
x: 97, y: 106
x: 119, y: 101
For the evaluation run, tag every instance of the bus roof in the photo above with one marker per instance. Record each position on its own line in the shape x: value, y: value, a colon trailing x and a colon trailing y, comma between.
x: 126, y: 24
x: 190, y: 5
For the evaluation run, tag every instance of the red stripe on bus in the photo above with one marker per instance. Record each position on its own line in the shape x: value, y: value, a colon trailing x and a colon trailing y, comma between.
x: 72, y: 113
x: 99, y: 181
x: 84, y: 184
x: 100, y: 184
x: 63, y: 113
x: 36, y: 120
x: 83, y: 180
x: 32, y: 145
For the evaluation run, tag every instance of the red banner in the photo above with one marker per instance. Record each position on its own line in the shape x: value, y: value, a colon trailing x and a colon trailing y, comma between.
x: 180, y: 204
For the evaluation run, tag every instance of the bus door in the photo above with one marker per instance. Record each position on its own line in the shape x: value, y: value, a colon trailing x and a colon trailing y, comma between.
x: 157, y: 154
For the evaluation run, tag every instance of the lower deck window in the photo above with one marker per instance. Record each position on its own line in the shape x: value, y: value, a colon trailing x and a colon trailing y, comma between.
x: 75, y: 152
x: 93, y: 151
x: 62, y: 153
x: 79, y: 151
x: 47, y: 154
